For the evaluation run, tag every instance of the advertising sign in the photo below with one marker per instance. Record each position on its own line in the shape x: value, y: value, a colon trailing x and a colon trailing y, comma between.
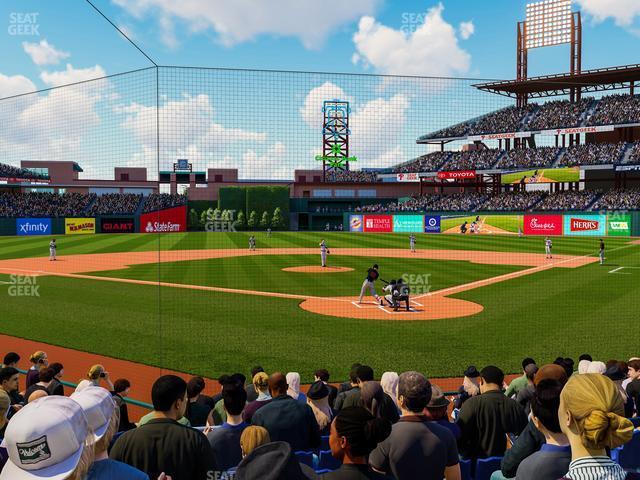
x: 378, y: 223
x: 33, y: 226
x: 407, y: 177
x: 408, y: 223
x: 117, y: 225
x: 619, y: 225
x: 165, y: 221
x: 432, y: 224
x: 585, y: 225
x: 355, y: 223
x: 79, y: 226
x: 461, y: 174
x: 543, y: 224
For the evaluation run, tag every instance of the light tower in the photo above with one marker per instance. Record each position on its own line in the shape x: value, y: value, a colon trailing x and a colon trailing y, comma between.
x: 335, y: 137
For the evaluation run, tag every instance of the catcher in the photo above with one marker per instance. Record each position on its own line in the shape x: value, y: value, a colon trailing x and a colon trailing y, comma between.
x: 398, y: 292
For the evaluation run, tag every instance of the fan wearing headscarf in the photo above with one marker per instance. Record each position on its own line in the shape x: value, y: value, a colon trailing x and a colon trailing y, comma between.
x: 293, y: 380
x: 318, y: 400
x: 389, y: 383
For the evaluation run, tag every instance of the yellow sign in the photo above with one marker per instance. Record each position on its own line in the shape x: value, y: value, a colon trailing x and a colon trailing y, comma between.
x: 79, y: 226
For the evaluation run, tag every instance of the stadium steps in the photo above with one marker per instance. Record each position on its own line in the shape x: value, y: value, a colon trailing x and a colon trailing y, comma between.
x: 141, y: 205
x: 595, y: 200
x: 558, y: 158
x: 533, y: 206
x: 87, y: 209
x: 524, y: 124
x: 588, y: 112
x: 625, y: 157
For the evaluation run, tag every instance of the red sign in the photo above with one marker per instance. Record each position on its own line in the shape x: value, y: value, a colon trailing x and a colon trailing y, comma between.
x: 584, y: 225
x: 378, y: 223
x: 164, y: 221
x: 407, y: 177
x: 461, y: 174
x: 543, y: 224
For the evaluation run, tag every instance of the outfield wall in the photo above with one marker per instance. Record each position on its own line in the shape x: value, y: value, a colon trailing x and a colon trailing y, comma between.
x: 505, y: 223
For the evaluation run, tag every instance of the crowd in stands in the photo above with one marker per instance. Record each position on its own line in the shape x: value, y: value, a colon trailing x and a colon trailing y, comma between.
x: 8, y: 171
x: 619, y: 200
x: 356, y: 176
x: 568, y: 200
x: 508, y: 119
x: 616, y: 109
x: 453, y: 202
x: 592, y: 154
x: 634, y: 153
x: 44, y: 204
x: 553, y: 421
x: 160, y: 201
x: 528, y: 158
x: 472, y: 160
x: 559, y: 114
x: 116, y: 203
x: 512, y: 201
x: 430, y: 162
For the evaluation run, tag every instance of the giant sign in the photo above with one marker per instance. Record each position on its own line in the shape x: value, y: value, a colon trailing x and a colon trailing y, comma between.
x: 585, y: 225
x: 164, y: 221
x: 117, y: 225
x: 33, y: 226
x: 543, y: 224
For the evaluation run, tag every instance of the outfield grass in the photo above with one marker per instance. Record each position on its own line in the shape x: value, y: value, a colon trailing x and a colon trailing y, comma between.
x: 546, y: 314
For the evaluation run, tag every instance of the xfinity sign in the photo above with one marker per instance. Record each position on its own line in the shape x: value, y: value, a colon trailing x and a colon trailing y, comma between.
x: 33, y: 226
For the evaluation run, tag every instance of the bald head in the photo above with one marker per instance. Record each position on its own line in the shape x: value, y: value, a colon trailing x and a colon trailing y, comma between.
x: 278, y: 384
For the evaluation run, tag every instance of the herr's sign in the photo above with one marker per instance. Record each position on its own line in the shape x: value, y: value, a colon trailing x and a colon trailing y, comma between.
x: 585, y: 225
x: 33, y: 226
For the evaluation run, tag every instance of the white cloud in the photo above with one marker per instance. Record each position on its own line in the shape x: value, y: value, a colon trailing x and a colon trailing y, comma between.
x: 72, y: 75
x: 44, y: 53
x: 431, y: 49
x: 311, y: 111
x: 466, y: 29
x: 239, y: 21
x: 15, y: 85
x: 623, y: 12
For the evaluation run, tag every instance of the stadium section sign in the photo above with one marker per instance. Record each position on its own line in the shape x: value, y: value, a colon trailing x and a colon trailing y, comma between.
x: 570, y: 131
x: 432, y: 224
x: 498, y: 136
x: 408, y: 223
x: 543, y: 224
x: 378, y: 223
x: 407, y: 177
x: 79, y: 226
x: 619, y: 225
x: 461, y: 174
x: 585, y: 225
x: 165, y: 221
x: 33, y: 226
x: 117, y: 225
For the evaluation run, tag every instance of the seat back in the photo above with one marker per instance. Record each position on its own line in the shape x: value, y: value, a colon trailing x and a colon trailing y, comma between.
x: 327, y: 461
x: 629, y: 455
x: 305, y: 457
x: 486, y: 466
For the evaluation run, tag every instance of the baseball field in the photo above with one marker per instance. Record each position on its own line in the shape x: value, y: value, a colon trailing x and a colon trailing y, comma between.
x: 203, y: 303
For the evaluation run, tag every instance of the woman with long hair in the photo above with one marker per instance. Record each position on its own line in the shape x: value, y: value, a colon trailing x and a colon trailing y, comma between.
x: 318, y: 400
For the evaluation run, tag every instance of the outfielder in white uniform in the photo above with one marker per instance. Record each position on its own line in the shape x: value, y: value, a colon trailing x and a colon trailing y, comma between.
x: 412, y: 243
x: 324, y: 251
x: 547, y: 247
x: 372, y: 276
x: 252, y: 242
x: 52, y: 250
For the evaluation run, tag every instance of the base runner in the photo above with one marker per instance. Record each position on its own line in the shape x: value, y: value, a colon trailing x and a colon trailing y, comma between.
x: 52, y: 250
x: 324, y: 251
x: 372, y: 276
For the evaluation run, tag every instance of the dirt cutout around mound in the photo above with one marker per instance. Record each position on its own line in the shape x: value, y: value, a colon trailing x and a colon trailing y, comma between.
x: 317, y: 269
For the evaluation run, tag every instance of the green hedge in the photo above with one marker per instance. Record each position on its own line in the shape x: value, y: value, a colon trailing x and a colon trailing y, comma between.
x: 232, y: 198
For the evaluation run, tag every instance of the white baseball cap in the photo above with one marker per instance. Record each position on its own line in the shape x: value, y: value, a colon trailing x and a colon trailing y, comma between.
x: 45, y: 440
x: 98, y: 405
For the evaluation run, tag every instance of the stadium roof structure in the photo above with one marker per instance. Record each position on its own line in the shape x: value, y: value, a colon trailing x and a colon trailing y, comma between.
x: 601, y: 79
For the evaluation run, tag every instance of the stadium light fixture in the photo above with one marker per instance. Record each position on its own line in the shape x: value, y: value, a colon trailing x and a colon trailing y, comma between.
x: 548, y: 23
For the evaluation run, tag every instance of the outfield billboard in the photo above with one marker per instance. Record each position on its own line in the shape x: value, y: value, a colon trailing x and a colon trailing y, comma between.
x: 585, y: 225
x: 355, y: 223
x: 378, y: 223
x: 33, y: 226
x: 619, y: 225
x: 169, y: 220
x: 432, y: 224
x: 79, y: 226
x: 542, y: 224
x: 408, y: 223
x: 117, y: 225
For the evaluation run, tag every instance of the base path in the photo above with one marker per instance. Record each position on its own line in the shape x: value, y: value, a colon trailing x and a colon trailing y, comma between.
x: 317, y: 269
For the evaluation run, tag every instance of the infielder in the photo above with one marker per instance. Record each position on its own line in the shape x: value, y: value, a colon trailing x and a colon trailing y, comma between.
x: 601, y: 252
x: 52, y: 250
x: 372, y: 276
x: 547, y: 247
x: 252, y: 242
x: 324, y: 251
x: 412, y: 243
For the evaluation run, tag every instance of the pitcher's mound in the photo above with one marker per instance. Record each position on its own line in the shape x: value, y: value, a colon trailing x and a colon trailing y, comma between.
x: 317, y: 269
x: 432, y: 307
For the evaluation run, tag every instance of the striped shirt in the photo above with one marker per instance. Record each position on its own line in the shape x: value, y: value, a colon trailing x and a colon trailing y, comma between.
x: 595, y: 468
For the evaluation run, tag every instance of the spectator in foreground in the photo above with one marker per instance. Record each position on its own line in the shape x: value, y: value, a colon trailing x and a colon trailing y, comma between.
x: 9, y: 382
x: 524, y: 396
x: 53, y: 424
x: 252, y: 437
x: 287, y: 419
x: 261, y: 385
x: 389, y: 382
x: 11, y: 359
x: 197, y: 412
x: 273, y: 461
x: 618, y: 373
x: 470, y: 386
x: 293, y: 380
x: 531, y: 439
x: 95, y: 375
x: 346, y: 387
x: 218, y: 414
x: 56, y: 387
x: 521, y: 382
x: 103, y: 418
x: 632, y: 388
x: 5, y: 406
x: 162, y: 444
x: 355, y: 433
x: 322, y: 375
x: 120, y: 392
x: 225, y: 440
x: 252, y: 394
x: 415, y: 444
x: 597, y: 367
x: 486, y: 419
x: 373, y: 398
x: 47, y: 375
x: 590, y: 416
x: 436, y: 411
x: 552, y: 460
x: 318, y: 400
x: 38, y: 360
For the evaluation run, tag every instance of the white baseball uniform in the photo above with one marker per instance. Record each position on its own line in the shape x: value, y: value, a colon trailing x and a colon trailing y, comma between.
x: 52, y: 250
x: 323, y: 253
x: 547, y: 247
x: 412, y: 243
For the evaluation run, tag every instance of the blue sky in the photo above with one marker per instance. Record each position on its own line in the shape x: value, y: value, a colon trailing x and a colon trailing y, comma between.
x: 48, y: 43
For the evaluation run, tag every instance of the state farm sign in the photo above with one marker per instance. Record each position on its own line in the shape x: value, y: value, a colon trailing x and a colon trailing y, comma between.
x: 164, y: 221
x: 461, y: 174
x: 543, y: 224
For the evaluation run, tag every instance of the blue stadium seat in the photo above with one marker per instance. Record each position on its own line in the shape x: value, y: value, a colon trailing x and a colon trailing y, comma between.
x: 327, y: 461
x: 324, y: 443
x: 629, y: 454
x: 486, y: 466
x: 465, y: 469
x: 305, y: 457
x: 323, y: 471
